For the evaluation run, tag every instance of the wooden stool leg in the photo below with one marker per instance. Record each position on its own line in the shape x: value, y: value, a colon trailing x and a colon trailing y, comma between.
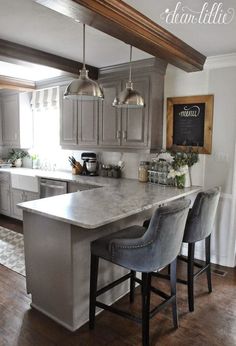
x: 191, y: 248
x: 146, y: 283
x: 208, y: 262
x: 132, y: 286
x: 93, y: 290
x: 173, y: 292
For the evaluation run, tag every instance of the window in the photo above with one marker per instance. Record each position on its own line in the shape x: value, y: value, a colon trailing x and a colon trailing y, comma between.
x: 46, y: 118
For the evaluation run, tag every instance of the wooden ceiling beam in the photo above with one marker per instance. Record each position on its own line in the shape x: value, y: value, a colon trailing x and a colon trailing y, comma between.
x: 16, y: 84
x: 118, y: 19
x: 20, y: 53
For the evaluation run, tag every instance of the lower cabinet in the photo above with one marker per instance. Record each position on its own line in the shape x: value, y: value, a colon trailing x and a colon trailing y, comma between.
x: 5, y: 193
x: 19, y: 196
x: 5, y: 198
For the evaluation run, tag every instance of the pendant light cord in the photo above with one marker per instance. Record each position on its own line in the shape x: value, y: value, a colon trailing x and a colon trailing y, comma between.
x: 84, y: 68
x: 130, y: 61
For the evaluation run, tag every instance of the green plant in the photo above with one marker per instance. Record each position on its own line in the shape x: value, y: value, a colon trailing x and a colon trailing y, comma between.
x: 16, y: 154
x: 181, y: 159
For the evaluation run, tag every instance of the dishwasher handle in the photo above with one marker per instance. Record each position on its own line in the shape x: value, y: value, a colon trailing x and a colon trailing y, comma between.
x: 52, y: 186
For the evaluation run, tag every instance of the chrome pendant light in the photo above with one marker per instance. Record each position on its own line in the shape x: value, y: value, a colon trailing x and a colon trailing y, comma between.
x: 129, y: 97
x: 83, y: 88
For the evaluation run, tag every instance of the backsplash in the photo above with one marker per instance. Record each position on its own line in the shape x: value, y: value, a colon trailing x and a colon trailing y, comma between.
x: 59, y: 161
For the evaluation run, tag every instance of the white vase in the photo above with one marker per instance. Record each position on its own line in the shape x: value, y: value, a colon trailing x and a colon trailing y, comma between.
x: 188, y: 182
x: 18, y: 163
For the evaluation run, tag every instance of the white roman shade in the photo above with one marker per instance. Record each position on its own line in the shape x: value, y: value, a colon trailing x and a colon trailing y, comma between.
x: 45, y: 98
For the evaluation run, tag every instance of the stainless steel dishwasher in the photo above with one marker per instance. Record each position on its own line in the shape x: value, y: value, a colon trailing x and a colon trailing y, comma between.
x: 50, y: 187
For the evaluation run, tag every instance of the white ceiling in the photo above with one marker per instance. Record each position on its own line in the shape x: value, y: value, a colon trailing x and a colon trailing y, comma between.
x: 30, y: 24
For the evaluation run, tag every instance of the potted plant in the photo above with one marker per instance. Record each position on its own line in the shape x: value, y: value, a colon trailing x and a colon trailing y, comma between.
x: 16, y: 156
x: 180, y: 167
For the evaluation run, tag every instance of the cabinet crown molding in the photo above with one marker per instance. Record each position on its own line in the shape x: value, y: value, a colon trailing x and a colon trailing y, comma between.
x: 141, y: 66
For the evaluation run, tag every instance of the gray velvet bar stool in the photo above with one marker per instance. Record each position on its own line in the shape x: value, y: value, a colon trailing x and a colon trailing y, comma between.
x: 145, y: 251
x: 199, y: 226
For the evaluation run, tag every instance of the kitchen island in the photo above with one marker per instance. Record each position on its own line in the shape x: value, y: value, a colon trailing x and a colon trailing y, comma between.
x: 57, y: 235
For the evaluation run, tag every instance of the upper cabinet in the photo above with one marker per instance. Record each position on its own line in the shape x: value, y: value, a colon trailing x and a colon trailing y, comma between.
x: 16, y: 120
x: 78, y: 123
x: 133, y: 129
x: 109, y: 117
x: 88, y: 123
x: 99, y: 125
x: 123, y: 128
x: 68, y: 121
x: 135, y: 121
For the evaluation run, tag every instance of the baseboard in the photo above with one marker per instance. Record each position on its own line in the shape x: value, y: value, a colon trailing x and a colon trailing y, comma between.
x: 216, y: 259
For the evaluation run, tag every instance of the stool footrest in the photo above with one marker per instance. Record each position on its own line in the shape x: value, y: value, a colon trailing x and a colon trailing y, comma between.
x: 119, y: 312
x: 160, y: 293
x: 201, y: 271
x: 113, y: 284
x: 162, y: 306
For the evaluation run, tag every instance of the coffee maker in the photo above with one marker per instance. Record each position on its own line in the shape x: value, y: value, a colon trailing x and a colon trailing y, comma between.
x: 90, y: 165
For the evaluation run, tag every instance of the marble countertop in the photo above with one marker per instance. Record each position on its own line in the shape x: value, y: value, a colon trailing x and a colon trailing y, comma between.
x: 115, y: 200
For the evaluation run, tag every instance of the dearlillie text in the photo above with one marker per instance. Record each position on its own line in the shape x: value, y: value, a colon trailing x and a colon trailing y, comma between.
x: 209, y: 14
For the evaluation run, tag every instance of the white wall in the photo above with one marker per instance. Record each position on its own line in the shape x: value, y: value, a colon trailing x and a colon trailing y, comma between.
x: 217, y: 169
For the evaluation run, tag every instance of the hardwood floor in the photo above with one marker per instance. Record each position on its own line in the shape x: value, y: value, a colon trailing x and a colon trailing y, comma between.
x: 212, y: 323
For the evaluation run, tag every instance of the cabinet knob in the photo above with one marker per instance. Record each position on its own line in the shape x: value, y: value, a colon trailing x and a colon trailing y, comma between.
x: 124, y: 134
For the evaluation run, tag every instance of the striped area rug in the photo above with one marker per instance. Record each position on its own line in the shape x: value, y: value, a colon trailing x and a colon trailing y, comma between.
x: 12, y: 250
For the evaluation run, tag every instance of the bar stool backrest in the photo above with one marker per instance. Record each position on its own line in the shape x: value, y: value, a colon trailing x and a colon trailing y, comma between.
x: 202, y: 216
x: 165, y: 235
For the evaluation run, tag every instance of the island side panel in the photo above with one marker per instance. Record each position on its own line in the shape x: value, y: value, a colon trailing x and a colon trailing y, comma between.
x: 57, y: 258
x: 48, y: 266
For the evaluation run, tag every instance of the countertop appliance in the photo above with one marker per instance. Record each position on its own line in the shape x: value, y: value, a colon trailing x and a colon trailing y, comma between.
x: 90, y: 166
x: 50, y: 187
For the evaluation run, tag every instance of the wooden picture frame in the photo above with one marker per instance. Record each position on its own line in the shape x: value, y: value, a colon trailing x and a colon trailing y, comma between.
x: 189, y: 123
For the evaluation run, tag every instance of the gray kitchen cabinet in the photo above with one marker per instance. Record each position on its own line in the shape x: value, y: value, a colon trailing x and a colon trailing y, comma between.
x: 79, y: 123
x: 109, y: 116
x: 5, y: 194
x: 123, y: 128
x: 68, y: 120
x: 16, y: 120
x: 133, y: 129
x: 19, y: 196
x: 135, y: 121
x: 88, y: 123
x: 99, y: 125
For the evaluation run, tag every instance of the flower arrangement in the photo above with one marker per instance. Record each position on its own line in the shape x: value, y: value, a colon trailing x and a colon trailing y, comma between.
x: 181, y: 161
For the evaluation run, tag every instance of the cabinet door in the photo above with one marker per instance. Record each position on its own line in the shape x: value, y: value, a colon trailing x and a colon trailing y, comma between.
x: 88, y: 123
x: 17, y: 197
x: 68, y: 120
x: 109, y: 117
x: 135, y: 120
x: 10, y: 121
x: 5, y: 202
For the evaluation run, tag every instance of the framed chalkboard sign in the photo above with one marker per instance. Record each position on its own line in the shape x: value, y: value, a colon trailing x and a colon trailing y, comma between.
x: 189, y: 123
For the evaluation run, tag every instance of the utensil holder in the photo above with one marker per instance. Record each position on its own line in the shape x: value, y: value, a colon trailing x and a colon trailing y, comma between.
x: 75, y: 171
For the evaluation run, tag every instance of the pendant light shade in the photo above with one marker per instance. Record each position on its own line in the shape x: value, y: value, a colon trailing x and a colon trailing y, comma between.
x: 83, y: 88
x: 129, y: 97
